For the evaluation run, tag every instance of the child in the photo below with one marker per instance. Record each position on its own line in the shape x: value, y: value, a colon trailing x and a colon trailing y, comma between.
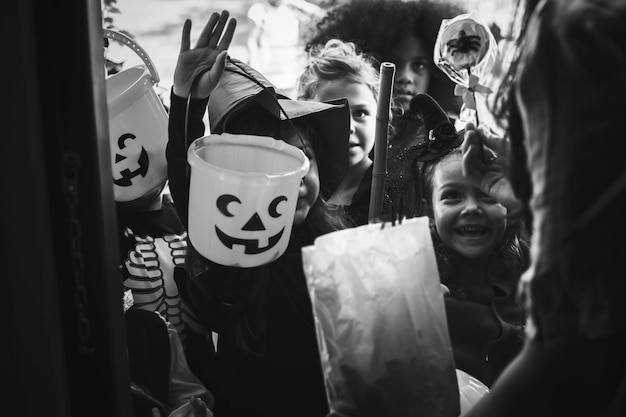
x: 564, y: 142
x: 404, y: 33
x: 479, y: 254
x: 152, y: 244
x: 267, y: 357
x: 337, y: 71
x: 152, y: 240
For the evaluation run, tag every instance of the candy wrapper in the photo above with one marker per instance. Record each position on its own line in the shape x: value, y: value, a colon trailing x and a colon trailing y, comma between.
x: 380, y: 315
x: 128, y: 300
x: 466, y: 51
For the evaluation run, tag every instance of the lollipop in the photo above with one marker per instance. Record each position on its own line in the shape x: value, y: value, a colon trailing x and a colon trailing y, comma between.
x: 466, y: 51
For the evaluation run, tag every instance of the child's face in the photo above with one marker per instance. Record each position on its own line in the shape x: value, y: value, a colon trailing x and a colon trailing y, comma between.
x: 412, y: 77
x: 467, y: 220
x: 362, y: 115
x: 310, y: 185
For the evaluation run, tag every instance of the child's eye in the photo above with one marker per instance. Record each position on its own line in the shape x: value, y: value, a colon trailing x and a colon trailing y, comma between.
x: 451, y: 195
x: 488, y: 199
x: 360, y: 114
x: 421, y: 65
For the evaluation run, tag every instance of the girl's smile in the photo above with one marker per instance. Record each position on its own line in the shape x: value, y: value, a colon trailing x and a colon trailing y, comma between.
x: 467, y: 220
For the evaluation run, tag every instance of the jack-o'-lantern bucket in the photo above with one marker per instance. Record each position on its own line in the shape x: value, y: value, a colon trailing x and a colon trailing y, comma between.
x: 137, y: 127
x: 242, y: 197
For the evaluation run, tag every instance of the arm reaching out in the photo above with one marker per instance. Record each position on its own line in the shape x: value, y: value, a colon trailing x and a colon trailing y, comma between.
x: 488, y: 154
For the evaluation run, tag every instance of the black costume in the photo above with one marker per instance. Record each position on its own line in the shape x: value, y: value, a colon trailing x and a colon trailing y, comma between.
x: 485, y: 319
x: 358, y: 210
x: 267, y: 362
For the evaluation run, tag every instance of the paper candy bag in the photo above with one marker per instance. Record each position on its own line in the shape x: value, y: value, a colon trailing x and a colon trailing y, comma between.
x: 381, y: 323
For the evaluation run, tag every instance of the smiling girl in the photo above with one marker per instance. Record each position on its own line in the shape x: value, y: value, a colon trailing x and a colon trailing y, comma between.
x: 480, y: 253
x: 480, y: 257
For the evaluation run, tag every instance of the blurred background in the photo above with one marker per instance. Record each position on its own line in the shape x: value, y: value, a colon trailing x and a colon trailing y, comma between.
x: 156, y: 26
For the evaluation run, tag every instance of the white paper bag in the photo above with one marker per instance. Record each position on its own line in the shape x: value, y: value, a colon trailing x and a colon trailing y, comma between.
x: 380, y: 316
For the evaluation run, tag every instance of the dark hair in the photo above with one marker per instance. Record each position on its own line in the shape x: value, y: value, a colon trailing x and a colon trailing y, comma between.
x: 569, y: 80
x: 513, y: 250
x: 561, y: 44
x: 323, y: 217
x: 377, y: 26
x: 507, y: 113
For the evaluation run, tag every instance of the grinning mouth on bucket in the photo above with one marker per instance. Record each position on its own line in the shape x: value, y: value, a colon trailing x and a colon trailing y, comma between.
x: 251, y: 246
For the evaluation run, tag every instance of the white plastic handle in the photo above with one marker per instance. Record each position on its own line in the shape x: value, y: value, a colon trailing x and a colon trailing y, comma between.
x: 120, y: 37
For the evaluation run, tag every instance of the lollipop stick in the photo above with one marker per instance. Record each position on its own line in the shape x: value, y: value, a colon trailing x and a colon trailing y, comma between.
x: 476, y: 110
x: 469, y: 73
x: 481, y: 153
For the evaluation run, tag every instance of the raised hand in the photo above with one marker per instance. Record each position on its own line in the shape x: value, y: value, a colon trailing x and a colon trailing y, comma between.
x: 199, y: 70
x: 487, y: 155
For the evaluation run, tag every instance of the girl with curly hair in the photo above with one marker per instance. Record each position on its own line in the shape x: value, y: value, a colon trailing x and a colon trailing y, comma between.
x: 332, y: 72
x: 404, y: 33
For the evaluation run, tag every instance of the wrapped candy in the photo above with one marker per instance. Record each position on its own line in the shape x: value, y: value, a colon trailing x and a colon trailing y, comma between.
x: 128, y: 300
x: 466, y: 51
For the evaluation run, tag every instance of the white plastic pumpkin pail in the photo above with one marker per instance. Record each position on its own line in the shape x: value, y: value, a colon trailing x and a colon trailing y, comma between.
x: 242, y: 197
x: 138, y: 125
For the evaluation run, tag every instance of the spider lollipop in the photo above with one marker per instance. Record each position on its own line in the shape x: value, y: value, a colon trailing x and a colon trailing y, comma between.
x: 466, y: 51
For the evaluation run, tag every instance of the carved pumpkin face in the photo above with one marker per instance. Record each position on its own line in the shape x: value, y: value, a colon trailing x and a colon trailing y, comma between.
x: 138, y: 166
x: 138, y: 126
x: 243, y: 196
x: 254, y: 235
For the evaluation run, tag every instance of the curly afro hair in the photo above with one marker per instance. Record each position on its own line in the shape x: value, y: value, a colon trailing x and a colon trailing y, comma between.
x: 377, y: 26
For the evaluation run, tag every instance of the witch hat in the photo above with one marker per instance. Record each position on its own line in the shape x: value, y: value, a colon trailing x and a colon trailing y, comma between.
x: 244, y: 94
x: 440, y: 136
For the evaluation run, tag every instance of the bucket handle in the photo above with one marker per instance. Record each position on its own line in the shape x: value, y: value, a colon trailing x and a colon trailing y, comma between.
x: 126, y: 40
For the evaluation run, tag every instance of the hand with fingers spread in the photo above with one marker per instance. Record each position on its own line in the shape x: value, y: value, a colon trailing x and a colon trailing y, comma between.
x: 487, y: 154
x: 198, y: 70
